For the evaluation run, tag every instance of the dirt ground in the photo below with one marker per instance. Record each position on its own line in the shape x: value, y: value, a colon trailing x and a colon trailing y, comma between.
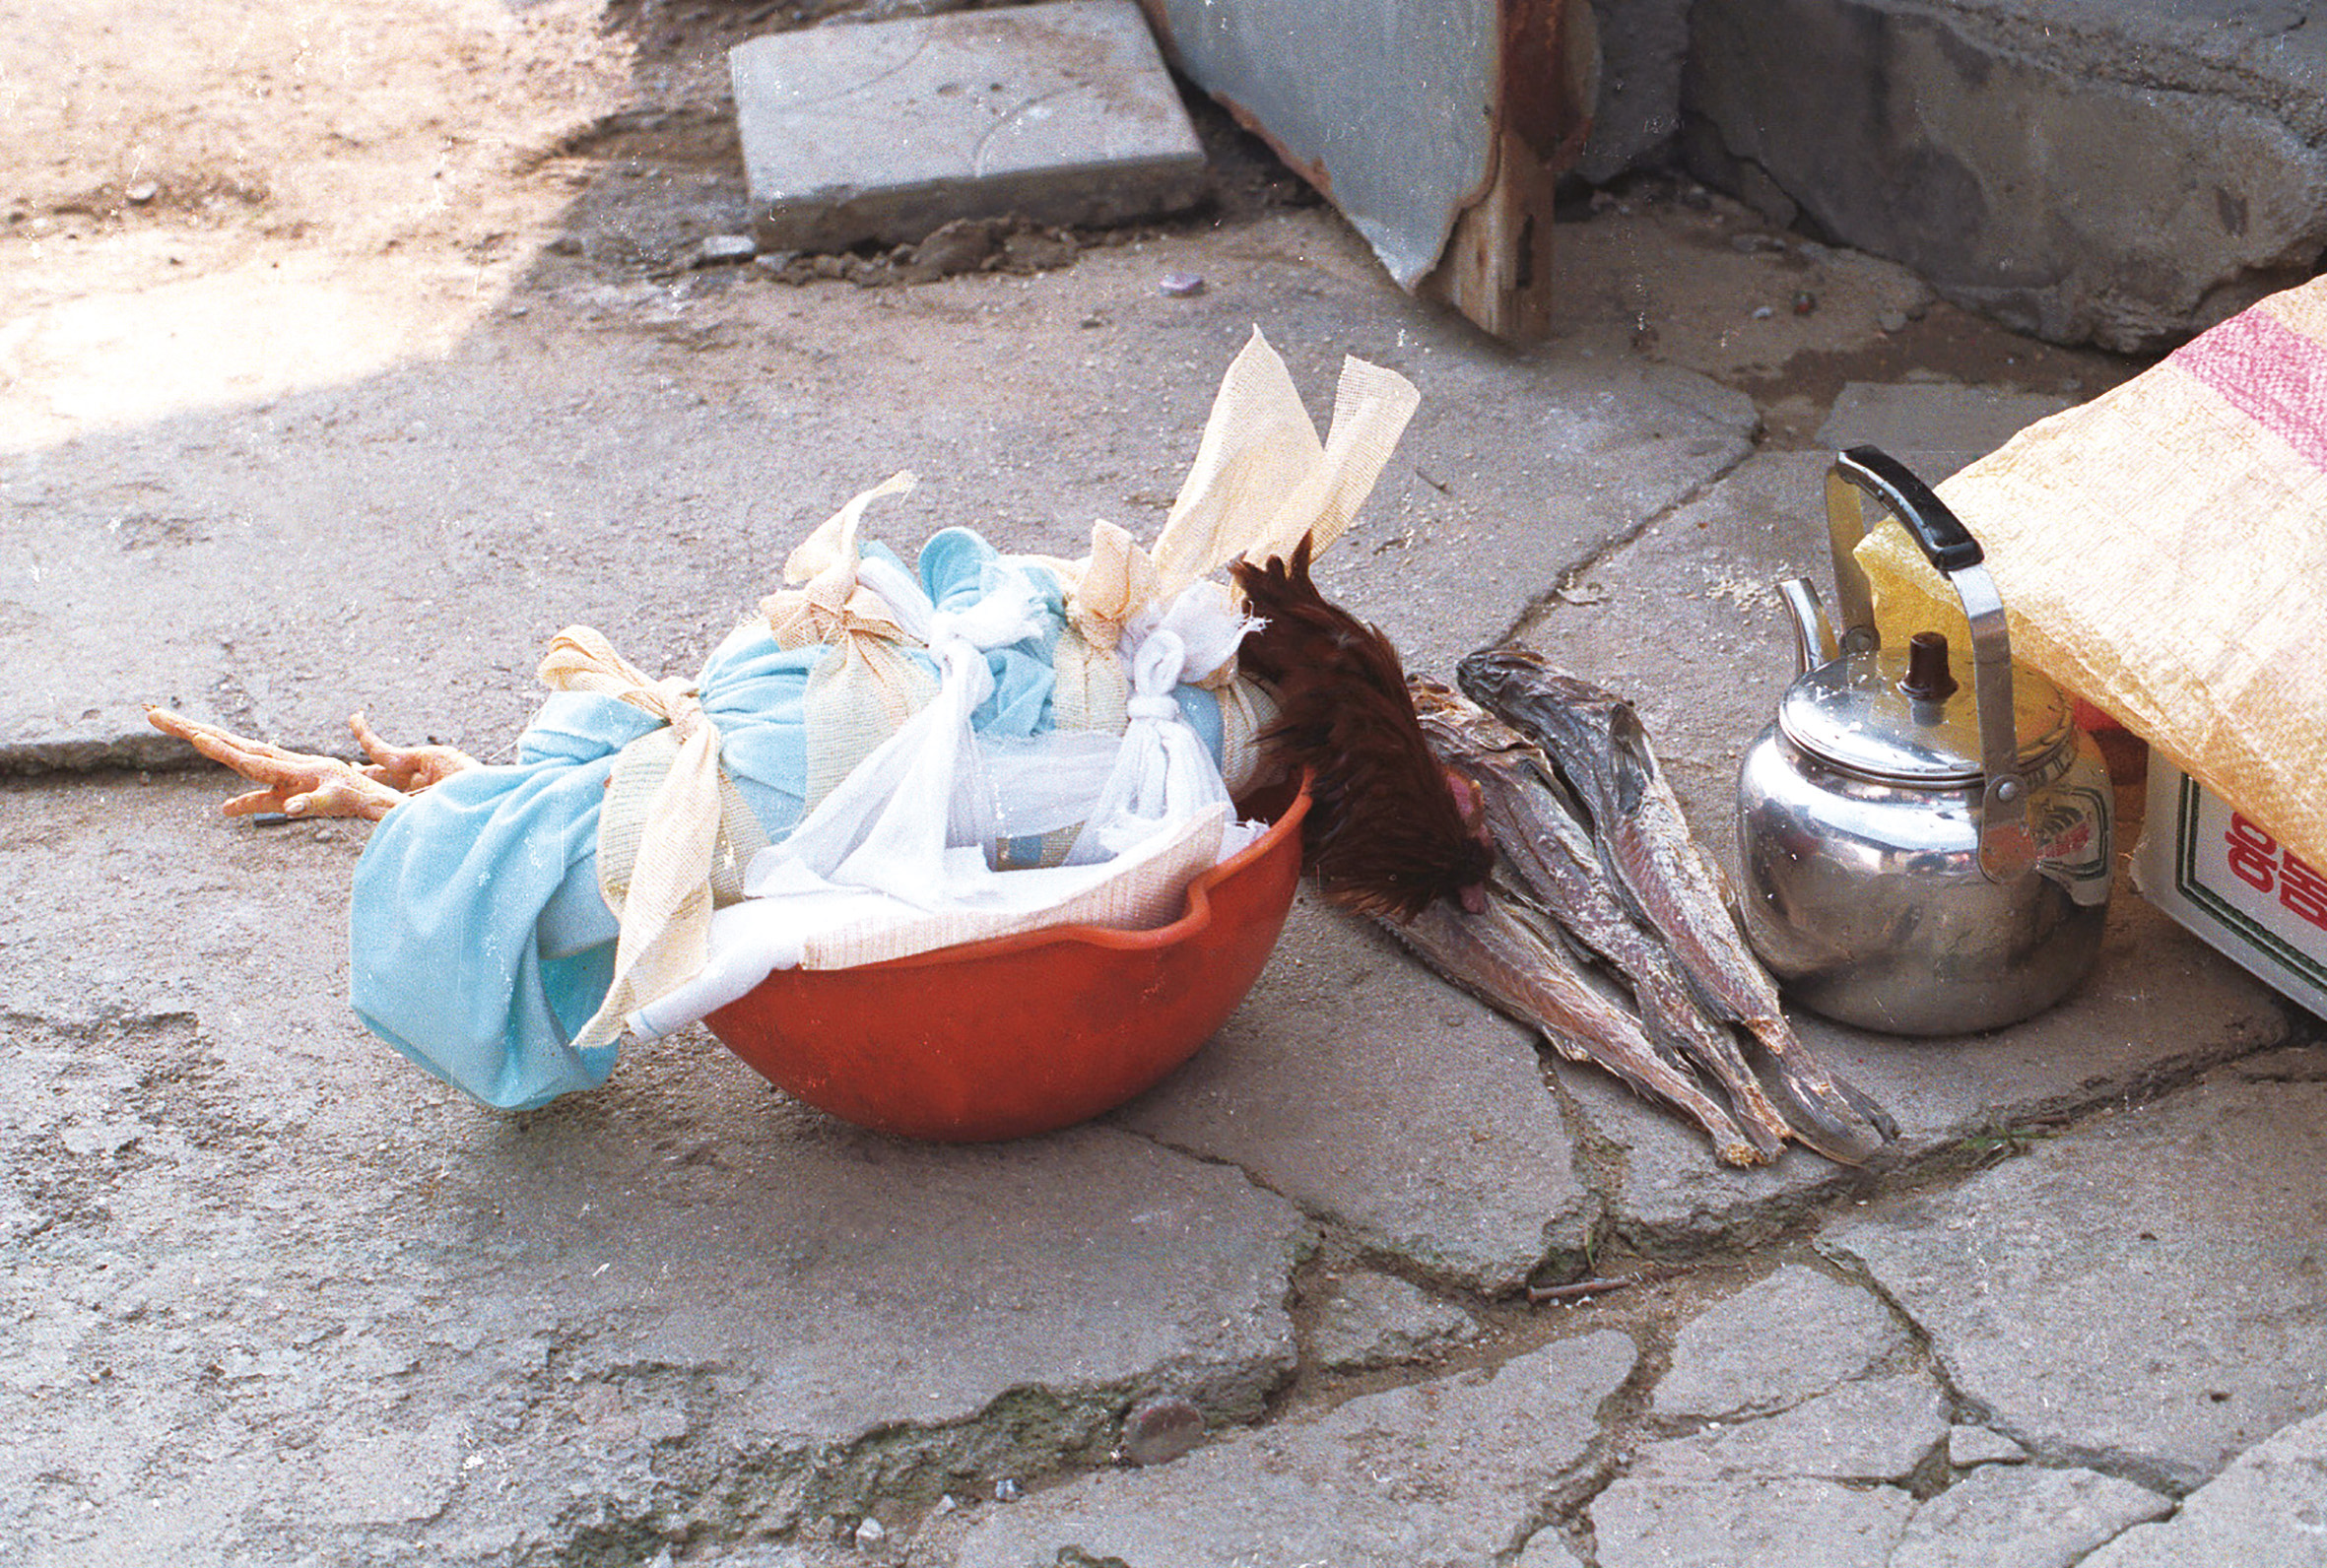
x: 215, y: 205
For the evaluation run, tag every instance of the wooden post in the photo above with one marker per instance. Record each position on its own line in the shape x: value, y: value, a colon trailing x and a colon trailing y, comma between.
x: 1496, y: 269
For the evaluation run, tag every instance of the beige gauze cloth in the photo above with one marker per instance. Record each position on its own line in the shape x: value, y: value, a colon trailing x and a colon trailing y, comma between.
x: 2161, y: 553
x: 666, y: 910
x: 1262, y: 479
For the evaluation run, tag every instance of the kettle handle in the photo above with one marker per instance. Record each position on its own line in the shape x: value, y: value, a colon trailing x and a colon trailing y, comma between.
x: 2007, y: 848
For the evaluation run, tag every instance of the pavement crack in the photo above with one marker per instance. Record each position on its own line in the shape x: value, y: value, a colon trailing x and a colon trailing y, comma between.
x: 1567, y: 576
x: 1314, y: 1215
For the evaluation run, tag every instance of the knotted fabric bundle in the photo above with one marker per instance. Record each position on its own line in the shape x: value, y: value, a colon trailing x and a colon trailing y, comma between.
x: 1085, y: 711
x: 666, y: 912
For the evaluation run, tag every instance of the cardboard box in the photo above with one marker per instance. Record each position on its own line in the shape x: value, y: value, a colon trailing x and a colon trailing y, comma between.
x: 2231, y: 881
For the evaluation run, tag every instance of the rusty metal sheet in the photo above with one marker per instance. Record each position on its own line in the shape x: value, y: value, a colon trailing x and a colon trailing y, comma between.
x: 1439, y: 127
x: 1389, y: 106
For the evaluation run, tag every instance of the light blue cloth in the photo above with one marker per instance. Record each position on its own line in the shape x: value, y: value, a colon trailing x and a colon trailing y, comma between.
x: 480, y: 944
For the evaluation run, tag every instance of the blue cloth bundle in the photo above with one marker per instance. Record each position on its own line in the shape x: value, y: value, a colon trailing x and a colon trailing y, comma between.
x: 480, y: 942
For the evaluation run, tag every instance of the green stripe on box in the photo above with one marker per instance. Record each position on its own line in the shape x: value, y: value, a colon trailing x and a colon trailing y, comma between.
x: 2185, y: 882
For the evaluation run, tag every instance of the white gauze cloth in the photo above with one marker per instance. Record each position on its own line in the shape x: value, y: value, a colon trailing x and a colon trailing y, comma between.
x: 893, y: 860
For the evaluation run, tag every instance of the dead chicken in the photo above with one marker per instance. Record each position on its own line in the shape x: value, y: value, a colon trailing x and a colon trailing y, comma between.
x: 1508, y: 866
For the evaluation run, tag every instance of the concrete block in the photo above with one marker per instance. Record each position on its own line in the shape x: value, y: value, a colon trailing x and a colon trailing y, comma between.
x: 2264, y: 1508
x: 2122, y: 175
x: 2075, y: 1291
x: 1059, y: 113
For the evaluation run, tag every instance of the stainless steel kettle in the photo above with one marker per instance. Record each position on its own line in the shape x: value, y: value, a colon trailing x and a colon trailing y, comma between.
x: 1924, y: 847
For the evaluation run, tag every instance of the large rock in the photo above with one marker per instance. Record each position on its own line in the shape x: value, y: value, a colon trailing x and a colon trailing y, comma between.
x: 2270, y: 1506
x: 2139, y: 1293
x: 1451, y: 1471
x: 2116, y: 173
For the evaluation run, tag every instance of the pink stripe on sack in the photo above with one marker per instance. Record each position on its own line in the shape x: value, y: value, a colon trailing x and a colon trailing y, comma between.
x: 2269, y: 372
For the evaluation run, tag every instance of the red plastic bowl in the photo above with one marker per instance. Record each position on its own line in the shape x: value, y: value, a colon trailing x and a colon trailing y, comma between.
x: 1027, y: 1034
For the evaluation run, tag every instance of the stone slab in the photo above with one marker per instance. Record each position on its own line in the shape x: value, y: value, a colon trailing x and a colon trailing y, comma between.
x: 1775, y: 1343
x: 1356, y: 1084
x: 2027, y: 1515
x: 1684, y: 620
x: 409, y: 544
x: 2139, y: 1293
x: 1505, y: 480
x: 1545, y: 1549
x: 1651, y: 1520
x: 1877, y: 1428
x: 1934, y: 428
x: 1977, y: 1445
x: 1817, y: 1483
x: 1059, y: 113
x: 260, y: 1273
x: 1452, y: 1470
x: 2116, y: 173
x: 1374, y: 1320
x: 2269, y: 1505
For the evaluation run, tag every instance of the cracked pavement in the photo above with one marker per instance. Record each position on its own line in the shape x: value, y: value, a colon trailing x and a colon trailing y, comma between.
x: 271, y: 1296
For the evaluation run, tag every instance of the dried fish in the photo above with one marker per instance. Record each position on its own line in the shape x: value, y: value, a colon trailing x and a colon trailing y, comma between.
x: 1514, y: 958
x: 1541, y: 831
x: 1643, y: 843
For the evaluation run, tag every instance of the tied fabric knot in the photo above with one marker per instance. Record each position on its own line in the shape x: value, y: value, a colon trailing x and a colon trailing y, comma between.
x: 866, y: 687
x: 666, y: 914
x: 1162, y: 775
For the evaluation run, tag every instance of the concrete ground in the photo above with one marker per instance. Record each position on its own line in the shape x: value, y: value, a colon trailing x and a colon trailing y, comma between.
x: 272, y: 1297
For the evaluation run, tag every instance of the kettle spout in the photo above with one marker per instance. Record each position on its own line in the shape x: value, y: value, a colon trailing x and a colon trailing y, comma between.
x: 1814, y: 635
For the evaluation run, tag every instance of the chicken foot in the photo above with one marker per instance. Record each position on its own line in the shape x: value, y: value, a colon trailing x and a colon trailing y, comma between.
x: 306, y: 785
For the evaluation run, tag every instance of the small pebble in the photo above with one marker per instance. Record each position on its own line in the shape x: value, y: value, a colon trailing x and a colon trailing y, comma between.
x: 871, y: 1534
x: 1007, y: 1490
x: 723, y: 251
x: 1160, y: 1431
x: 1180, y: 284
x: 141, y: 193
x: 945, y: 1506
x: 1762, y: 313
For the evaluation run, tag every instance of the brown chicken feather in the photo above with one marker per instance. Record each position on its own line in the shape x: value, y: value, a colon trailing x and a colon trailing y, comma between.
x: 1389, y: 830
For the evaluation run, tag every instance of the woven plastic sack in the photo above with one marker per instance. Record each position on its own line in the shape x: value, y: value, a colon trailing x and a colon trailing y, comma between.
x: 2161, y: 553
